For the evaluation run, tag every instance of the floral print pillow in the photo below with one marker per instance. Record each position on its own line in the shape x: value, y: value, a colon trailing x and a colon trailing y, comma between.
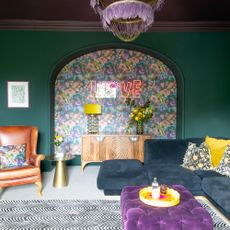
x: 224, y: 165
x: 197, y: 157
x: 12, y: 156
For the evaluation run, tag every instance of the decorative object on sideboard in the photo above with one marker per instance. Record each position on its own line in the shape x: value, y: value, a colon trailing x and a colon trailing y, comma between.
x: 92, y: 111
x: 100, y: 138
x: 139, y: 127
x: 126, y: 19
x: 133, y: 138
x: 139, y: 114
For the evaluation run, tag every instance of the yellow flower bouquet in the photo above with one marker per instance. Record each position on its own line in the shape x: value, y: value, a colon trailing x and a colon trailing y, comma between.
x: 139, y: 114
x: 58, y: 140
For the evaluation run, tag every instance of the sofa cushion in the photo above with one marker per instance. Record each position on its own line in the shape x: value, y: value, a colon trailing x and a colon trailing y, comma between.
x: 207, y: 173
x: 196, y: 140
x: 175, y: 174
x: 217, y: 148
x: 217, y: 188
x: 115, y: 174
x: 165, y: 151
x: 224, y: 166
x: 197, y: 157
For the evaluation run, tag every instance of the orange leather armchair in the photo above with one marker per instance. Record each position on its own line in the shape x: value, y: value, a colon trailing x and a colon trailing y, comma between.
x: 31, y: 173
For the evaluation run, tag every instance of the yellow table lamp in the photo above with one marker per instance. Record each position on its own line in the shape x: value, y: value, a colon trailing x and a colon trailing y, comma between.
x: 92, y: 110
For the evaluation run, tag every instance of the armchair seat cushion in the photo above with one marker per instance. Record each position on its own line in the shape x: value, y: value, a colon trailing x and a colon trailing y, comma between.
x: 19, y: 172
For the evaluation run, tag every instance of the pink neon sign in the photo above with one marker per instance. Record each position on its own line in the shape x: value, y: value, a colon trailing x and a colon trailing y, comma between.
x: 107, y: 89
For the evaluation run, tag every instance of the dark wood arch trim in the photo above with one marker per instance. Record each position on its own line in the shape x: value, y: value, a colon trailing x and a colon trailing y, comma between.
x: 166, y: 60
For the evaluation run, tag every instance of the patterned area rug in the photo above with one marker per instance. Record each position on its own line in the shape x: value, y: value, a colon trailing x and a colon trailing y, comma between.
x: 72, y: 215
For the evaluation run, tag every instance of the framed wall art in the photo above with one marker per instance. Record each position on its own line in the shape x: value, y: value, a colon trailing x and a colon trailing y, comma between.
x: 18, y: 94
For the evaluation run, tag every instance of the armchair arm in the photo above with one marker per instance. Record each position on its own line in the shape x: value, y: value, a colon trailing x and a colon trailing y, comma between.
x: 36, y: 159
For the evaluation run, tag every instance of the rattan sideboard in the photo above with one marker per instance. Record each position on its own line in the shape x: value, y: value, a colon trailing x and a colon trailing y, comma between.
x: 97, y: 148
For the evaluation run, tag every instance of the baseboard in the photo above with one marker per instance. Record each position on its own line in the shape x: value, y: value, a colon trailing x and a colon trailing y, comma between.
x: 46, y: 166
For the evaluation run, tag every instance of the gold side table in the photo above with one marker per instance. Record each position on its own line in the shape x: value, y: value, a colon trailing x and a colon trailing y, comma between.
x: 60, y: 176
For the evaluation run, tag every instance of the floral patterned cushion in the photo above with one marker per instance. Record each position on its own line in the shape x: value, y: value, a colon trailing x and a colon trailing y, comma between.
x: 197, y: 157
x: 224, y: 166
x: 12, y: 156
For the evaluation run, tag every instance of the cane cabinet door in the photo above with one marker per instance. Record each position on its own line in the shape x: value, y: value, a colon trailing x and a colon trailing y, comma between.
x: 97, y: 148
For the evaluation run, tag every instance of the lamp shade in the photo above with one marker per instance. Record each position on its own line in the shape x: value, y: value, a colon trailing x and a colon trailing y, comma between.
x: 126, y: 19
x: 92, y: 109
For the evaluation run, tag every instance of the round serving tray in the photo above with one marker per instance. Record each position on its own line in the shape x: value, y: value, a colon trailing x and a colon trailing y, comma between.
x: 172, y: 198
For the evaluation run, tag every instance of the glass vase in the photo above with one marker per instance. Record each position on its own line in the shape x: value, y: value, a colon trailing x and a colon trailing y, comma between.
x: 139, y: 128
x: 58, y: 153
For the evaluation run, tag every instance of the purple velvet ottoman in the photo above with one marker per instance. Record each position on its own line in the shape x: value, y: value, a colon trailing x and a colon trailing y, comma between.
x: 187, y: 215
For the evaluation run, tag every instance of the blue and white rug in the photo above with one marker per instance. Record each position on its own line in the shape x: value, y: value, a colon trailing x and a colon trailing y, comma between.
x: 72, y: 215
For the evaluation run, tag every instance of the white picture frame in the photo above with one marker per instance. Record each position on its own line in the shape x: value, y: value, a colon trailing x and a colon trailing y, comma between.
x: 18, y: 94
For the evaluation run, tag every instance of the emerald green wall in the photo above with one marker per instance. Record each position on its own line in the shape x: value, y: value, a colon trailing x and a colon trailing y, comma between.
x: 203, y: 58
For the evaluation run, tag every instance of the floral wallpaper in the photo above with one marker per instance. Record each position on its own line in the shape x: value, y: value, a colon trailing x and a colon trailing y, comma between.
x: 108, y: 77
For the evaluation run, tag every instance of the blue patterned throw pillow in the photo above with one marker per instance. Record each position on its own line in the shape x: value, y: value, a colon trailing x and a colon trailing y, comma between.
x: 197, y: 157
x: 224, y: 165
x: 12, y: 156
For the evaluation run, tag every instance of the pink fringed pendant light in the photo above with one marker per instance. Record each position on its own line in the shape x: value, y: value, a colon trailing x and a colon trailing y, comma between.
x: 126, y: 19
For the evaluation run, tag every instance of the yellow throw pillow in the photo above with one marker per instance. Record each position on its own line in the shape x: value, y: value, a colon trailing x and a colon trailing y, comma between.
x: 216, y: 147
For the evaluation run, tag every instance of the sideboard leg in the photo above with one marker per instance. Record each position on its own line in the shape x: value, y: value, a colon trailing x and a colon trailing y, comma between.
x: 83, y: 164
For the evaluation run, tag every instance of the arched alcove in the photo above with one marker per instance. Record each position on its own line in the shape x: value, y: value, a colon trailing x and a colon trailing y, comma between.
x: 136, y: 72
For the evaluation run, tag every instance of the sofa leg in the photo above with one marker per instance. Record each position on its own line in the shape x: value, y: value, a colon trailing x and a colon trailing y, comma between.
x: 39, y: 184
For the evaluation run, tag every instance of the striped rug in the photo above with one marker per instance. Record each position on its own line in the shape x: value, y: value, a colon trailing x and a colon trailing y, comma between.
x: 73, y: 215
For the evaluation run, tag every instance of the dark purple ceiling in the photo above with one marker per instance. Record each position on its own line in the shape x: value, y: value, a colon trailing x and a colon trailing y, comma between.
x: 80, y: 10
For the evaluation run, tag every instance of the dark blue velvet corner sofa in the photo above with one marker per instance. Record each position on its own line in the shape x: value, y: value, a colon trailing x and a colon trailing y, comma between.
x: 163, y: 159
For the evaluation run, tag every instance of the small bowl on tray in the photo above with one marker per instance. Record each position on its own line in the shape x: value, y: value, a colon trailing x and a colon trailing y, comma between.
x: 171, y: 198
